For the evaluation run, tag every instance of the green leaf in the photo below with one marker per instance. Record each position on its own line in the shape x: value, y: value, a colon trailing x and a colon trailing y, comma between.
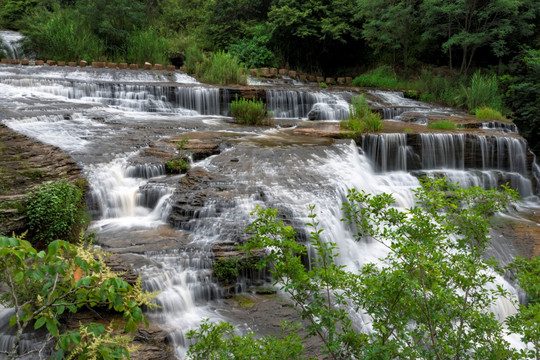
x: 40, y: 322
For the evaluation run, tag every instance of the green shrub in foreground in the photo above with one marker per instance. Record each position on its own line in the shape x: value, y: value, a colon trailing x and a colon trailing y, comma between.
x: 442, y: 125
x: 250, y: 112
x: 56, y: 211
x: 361, y: 118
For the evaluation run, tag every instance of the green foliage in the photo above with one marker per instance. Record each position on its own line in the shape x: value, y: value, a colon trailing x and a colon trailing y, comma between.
x: 323, y: 85
x: 63, y: 36
x: 527, y: 321
x: 483, y: 91
x: 223, y: 69
x: 521, y: 90
x: 389, y: 25
x: 431, y: 298
x: 254, y: 51
x: 219, y: 342
x: 177, y: 166
x: 44, y: 286
x: 113, y: 21
x: 488, y: 114
x: 226, y: 270
x: 12, y: 11
x: 56, y: 210
x: 442, y: 125
x: 383, y: 76
x: 147, y: 45
x: 250, y: 112
x: 361, y: 118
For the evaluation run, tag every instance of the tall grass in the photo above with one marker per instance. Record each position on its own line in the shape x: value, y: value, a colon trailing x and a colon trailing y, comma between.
x: 361, y: 118
x: 483, y: 91
x: 250, y: 112
x: 147, y: 45
x: 65, y: 37
x: 223, y: 68
x: 383, y: 76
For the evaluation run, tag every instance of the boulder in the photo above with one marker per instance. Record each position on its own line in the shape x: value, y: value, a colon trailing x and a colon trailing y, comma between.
x: 182, y: 69
x: 61, y: 63
x: 83, y: 63
x: 51, y: 62
x: 292, y: 74
x: 25, y: 62
x: 171, y: 68
x: 341, y: 81
x: 265, y: 72
x: 39, y: 62
x: 283, y: 72
x: 158, y: 67
x: 147, y: 66
x: 123, y: 66
x: 134, y: 66
x: 273, y: 72
x: 111, y: 65
x: 15, y: 62
x: 72, y: 63
x: 4, y: 61
x: 319, y: 79
x: 253, y: 72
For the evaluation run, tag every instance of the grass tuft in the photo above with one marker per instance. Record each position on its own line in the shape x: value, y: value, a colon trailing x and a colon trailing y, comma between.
x: 361, y: 118
x: 250, y: 112
x: 442, y: 125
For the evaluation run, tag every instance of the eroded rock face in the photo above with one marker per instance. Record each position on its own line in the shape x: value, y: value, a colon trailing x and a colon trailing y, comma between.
x: 24, y: 165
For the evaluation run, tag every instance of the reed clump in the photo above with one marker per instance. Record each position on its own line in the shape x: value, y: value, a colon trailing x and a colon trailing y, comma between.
x: 361, y: 118
x: 250, y: 112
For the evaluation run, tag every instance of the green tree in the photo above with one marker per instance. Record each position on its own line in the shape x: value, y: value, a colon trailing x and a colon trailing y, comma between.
x: 390, y: 24
x: 521, y: 90
x: 113, y: 21
x: 43, y: 286
x: 306, y: 31
x: 429, y: 298
x: 470, y: 25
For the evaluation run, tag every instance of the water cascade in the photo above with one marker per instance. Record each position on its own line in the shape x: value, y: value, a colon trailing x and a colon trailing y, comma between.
x: 171, y: 228
x: 11, y: 44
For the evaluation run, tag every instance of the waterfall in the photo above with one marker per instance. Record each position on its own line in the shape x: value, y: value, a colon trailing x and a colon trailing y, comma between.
x: 105, y: 119
x: 303, y: 104
x: 10, y: 43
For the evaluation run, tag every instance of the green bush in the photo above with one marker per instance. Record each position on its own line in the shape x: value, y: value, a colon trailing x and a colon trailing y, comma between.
x: 194, y: 59
x: 488, y: 114
x: 177, y: 166
x: 56, y: 210
x: 442, y: 125
x: 361, y: 118
x: 227, y: 270
x: 147, y: 45
x: 250, y: 112
x: 253, y: 51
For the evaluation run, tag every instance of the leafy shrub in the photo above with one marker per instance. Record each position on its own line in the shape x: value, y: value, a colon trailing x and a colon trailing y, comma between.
x: 254, y: 51
x: 488, y: 114
x: 56, y: 211
x: 323, y: 85
x: 194, y: 59
x: 147, y: 45
x: 177, y: 166
x: 361, y: 118
x: 46, y: 286
x: 226, y: 270
x: 442, y: 125
x: 250, y: 112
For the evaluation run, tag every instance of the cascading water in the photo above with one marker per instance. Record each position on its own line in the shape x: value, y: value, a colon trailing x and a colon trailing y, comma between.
x: 132, y: 199
x: 10, y: 43
x: 304, y: 104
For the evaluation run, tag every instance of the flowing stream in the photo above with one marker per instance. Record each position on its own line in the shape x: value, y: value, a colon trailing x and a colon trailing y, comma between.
x: 105, y: 119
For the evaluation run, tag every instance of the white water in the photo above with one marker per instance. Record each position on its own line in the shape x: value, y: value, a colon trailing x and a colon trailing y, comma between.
x: 11, y: 43
x: 132, y: 199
